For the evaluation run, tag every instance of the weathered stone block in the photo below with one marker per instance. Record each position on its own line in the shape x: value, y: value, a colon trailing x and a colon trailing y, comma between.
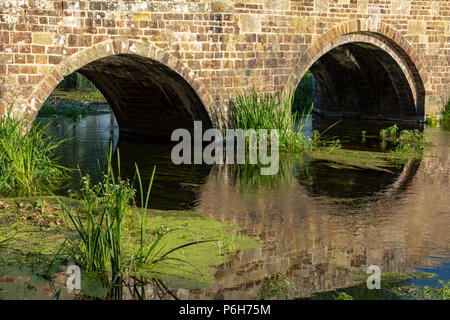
x: 417, y: 27
x: 277, y: 4
x: 400, y: 7
x: 250, y: 23
x: 43, y: 38
x: 321, y: 5
x: 305, y: 25
x: 362, y: 6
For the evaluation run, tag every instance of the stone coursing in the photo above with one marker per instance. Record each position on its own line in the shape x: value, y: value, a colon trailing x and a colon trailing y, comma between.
x: 218, y: 47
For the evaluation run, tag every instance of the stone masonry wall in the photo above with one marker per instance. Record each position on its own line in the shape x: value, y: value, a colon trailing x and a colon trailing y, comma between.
x: 218, y: 47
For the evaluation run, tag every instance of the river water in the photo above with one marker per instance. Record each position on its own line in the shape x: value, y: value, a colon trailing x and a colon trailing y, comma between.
x: 313, y: 217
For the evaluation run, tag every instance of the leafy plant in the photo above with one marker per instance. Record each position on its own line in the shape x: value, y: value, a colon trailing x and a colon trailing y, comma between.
x: 270, y: 111
x: 441, y: 292
x: 343, y: 296
x: 279, y: 288
x: 27, y: 158
x: 99, y: 249
x: 389, y: 133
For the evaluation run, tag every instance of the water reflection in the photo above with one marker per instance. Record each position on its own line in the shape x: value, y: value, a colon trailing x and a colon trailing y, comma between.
x: 311, y: 217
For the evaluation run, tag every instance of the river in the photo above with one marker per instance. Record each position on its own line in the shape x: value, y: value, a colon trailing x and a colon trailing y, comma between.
x: 314, y: 218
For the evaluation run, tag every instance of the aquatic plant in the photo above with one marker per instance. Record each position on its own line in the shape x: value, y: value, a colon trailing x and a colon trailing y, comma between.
x: 280, y: 287
x: 409, y: 144
x: 389, y: 133
x: 439, y: 292
x: 27, y: 159
x: 343, y: 296
x: 99, y: 251
x: 270, y: 111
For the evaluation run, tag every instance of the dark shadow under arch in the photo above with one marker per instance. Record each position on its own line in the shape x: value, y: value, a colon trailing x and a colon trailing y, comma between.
x: 361, y: 80
x: 148, y: 98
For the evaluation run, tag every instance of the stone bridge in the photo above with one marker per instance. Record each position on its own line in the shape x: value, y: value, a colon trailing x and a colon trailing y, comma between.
x: 163, y: 64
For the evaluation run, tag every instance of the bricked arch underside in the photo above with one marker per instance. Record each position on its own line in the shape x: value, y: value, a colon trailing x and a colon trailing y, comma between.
x: 364, y: 73
x: 361, y: 80
x: 150, y: 91
x: 147, y: 97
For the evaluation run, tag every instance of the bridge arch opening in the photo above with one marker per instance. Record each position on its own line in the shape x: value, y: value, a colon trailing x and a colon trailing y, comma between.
x: 151, y: 92
x: 147, y: 97
x: 361, y: 75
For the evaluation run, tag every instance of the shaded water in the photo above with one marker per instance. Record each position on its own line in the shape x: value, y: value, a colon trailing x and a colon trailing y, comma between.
x: 312, y: 217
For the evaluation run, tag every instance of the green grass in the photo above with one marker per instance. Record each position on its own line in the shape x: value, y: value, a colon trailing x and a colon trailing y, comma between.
x: 114, y: 243
x: 32, y: 230
x: 267, y: 112
x: 27, y: 159
x: 408, y: 144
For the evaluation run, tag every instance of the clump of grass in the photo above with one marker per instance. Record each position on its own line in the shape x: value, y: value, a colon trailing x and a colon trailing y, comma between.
x: 409, y: 144
x: 440, y: 292
x: 279, y: 288
x: 99, y: 250
x: 271, y: 111
x: 27, y: 160
x: 432, y: 120
x: 389, y: 133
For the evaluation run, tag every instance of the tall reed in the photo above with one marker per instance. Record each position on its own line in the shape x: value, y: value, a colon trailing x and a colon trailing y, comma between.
x: 99, y: 250
x: 27, y: 159
x: 270, y: 111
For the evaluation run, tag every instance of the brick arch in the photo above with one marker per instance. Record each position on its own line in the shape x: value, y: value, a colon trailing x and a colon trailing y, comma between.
x: 384, y: 37
x: 112, y: 48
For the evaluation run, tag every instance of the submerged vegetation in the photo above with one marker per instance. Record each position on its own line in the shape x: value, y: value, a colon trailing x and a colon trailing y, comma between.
x: 270, y: 111
x: 408, y: 144
x: 27, y: 160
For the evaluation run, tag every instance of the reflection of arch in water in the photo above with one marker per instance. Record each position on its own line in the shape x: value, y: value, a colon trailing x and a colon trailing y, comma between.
x: 175, y: 186
x: 306, y: 237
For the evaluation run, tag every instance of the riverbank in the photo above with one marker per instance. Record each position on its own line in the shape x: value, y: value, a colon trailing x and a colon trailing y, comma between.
x: 74, y: 103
